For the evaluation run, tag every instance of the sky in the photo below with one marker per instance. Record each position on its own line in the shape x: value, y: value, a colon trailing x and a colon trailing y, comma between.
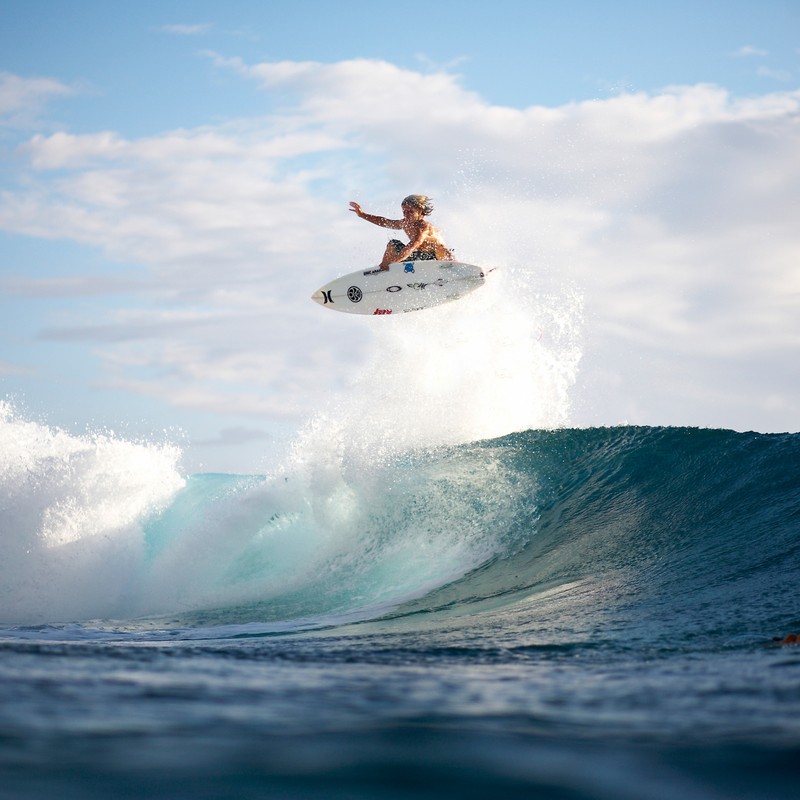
x: 175, y: 179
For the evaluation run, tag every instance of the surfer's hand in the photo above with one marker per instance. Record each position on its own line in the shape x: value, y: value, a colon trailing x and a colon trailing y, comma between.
x: 355, y: 207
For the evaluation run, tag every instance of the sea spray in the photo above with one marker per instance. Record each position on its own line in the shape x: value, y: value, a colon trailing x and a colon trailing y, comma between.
x: 501, y: 360
x: 70, y: 513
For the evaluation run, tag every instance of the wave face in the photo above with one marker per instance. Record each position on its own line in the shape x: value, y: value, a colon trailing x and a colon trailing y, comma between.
x: 654, y: 535
x: 689, y: 532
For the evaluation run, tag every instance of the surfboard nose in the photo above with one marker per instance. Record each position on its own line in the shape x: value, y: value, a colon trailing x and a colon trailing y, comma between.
x: 323, y: 296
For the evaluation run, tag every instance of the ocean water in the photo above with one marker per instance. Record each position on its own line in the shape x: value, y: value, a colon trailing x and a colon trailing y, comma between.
x: 480, y: 602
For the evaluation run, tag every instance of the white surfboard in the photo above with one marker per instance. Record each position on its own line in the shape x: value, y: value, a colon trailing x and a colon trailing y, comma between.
x: 405, y: 286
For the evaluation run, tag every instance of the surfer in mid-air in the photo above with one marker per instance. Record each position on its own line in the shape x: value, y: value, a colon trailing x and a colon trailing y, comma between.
x: 425, y: 241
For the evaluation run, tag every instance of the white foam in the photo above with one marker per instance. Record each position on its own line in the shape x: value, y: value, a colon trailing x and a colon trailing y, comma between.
x: 501, y: 360
x: 70, y: 541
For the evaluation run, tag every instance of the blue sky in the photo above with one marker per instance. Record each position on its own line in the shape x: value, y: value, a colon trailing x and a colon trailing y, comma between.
x: 167, y: 169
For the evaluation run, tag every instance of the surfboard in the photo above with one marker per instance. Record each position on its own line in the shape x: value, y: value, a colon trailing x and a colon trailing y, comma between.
x: 405, y: 286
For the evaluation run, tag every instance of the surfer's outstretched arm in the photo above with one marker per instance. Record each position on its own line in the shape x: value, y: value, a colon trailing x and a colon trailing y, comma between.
x: 397, y: 224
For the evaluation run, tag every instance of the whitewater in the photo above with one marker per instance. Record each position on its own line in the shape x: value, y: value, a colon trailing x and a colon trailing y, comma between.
x: 441, y: 589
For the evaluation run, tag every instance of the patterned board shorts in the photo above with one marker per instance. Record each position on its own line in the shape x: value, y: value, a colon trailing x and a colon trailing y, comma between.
x: 416, y: 255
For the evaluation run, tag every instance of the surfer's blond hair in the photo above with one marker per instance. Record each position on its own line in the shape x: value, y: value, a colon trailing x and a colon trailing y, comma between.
x: 420, y: 201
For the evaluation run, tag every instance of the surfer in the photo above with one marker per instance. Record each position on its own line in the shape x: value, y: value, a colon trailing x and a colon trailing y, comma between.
x: 425, y: 241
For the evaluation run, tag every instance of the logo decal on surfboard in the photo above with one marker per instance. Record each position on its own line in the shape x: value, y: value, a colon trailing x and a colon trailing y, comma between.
x: 354, y: 294
x: 440, y: 282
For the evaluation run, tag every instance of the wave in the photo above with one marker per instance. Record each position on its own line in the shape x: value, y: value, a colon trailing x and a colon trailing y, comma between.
x: 671, y: 533
x: 693, y: 527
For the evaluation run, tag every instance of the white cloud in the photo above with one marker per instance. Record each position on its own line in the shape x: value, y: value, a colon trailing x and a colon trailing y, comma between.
x: 196, y: 29
x: 70, y: 286
x: 234, y: 436
x: 673, y: 213
x: 23, y: 99
x: 774, y: 74
x: 749, y: 50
